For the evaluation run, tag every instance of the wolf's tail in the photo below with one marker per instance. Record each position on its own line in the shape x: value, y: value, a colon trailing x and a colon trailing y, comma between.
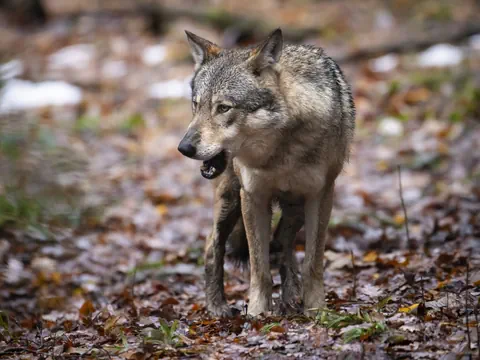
x: 237, y: 247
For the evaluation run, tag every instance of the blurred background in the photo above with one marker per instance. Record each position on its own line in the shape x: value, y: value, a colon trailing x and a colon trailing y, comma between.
x: 94, y: 98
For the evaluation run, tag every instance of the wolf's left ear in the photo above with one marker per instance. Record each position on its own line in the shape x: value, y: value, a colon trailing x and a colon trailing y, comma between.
x: 202, y: 49
x: 268, y: 53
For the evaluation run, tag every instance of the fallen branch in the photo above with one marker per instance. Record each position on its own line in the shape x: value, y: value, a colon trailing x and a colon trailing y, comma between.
x: 446, y: 33
x: 159, y: 15
x: 255, y: 28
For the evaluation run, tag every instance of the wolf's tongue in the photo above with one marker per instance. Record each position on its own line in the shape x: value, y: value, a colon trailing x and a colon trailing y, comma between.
x: 214, y: 167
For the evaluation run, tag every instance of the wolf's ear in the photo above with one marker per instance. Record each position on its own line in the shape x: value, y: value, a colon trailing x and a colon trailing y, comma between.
x: 202, y: 49
x: 268, y: 53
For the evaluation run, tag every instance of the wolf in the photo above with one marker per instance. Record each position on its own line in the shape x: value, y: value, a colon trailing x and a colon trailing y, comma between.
x: 273, y: 124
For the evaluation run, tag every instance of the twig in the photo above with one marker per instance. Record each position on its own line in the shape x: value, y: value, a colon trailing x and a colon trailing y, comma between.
x: 478, y: 328
x: 134, y: 275
x: 39, y: 333
x: 423, y: 306
x: 409, y: 242
x: 13, y: 350
x: 105, y: 351
x: 475, y: 312
x: 52, y: 348
x: 354, y: 269
x: 466, y: 309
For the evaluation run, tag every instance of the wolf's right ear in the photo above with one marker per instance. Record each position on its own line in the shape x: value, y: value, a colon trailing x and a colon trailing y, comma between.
x: 202, y: 49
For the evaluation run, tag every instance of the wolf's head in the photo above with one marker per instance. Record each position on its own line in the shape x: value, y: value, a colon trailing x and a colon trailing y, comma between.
x: 234, y: 98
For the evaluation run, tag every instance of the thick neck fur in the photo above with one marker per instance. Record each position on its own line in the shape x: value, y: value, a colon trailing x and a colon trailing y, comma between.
x: 300, y: 132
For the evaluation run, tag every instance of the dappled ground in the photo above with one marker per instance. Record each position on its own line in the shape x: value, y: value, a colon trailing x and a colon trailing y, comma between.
x: 103, y: 222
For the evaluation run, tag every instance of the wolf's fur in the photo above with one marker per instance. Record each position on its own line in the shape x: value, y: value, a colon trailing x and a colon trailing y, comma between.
x: 285, y: 117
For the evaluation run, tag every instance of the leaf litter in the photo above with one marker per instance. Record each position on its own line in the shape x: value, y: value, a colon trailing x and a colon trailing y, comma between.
x: 101, y: 241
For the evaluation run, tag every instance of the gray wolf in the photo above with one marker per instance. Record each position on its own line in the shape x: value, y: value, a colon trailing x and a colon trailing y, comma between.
x: 273, y: 123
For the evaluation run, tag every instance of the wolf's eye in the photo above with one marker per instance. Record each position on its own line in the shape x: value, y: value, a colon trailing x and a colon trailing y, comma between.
x: 194, y: 104
x: 223, y: 108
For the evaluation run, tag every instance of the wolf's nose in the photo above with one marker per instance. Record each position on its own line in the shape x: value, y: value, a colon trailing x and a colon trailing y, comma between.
x: 187, y: 149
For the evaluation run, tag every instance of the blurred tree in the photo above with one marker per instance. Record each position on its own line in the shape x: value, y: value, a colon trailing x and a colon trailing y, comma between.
x: 24, y: 12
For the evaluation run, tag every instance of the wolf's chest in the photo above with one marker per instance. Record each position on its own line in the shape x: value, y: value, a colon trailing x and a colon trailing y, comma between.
x: 295, y: 180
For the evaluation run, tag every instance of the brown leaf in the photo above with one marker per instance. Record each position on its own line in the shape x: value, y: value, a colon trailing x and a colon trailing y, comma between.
x: 415, y: 96
x: 170, y: 301
x: 278, y: 329
x: 257, y: 325
x: 371, y: 256
x: 87, y: 309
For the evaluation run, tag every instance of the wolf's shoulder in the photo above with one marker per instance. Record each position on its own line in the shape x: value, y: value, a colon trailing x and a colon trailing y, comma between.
x: 303, y: 51
x: 307, y: 60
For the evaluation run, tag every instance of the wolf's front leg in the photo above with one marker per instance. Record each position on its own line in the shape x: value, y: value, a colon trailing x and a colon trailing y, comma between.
x: 257, y: 217
x: 226, y: 213
x: 317, y: 214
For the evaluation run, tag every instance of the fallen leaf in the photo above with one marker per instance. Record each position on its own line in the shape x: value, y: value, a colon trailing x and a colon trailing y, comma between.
x: 371, y: 256
x: 170, y: 301
x: 278, y: 329
x: 415, y: 96
x: 408, y: 309
x: 87, y: 309
x: 162, y: 209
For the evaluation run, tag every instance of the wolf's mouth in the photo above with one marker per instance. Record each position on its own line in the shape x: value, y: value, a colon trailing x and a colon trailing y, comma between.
x: 214, y: 167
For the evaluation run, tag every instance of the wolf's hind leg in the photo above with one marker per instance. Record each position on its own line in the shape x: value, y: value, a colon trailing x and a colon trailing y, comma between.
x: 226, y: 214
x: 317, y: 215
x: 290, y: 223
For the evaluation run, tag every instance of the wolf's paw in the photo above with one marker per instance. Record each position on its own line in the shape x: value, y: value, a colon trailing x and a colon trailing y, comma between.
x: 258, y: 306
x: 290, y: 304
x: 291, y: 292
x: 222, y: 310
x: 289, y: 308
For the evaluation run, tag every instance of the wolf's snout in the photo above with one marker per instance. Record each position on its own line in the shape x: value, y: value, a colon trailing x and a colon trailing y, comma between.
x: 187, y: 148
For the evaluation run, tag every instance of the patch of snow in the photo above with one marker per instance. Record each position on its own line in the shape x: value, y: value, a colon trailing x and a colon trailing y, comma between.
x: 154, y: 55
x: 114, y: 69
x: 120, y: 46
x: 76, y: 57
x: 369, y: 291
x: 181, y: 269
x: 413, y: 194
x: 384, y: 63
x: 351, y: 327
x: 14, y: 272
x: 390, y: 126
x: 4, y: 247
x: 440, y: 55
x: 410, y: 328
x: 53, y: 316
x: 20, y: 95
x: 474, y: 41
x: 43, y: 264
x: 171, y: 89
x: 11, y: 69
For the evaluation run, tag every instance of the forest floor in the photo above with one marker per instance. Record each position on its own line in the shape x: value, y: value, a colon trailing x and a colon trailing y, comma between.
x: 103, y: 222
